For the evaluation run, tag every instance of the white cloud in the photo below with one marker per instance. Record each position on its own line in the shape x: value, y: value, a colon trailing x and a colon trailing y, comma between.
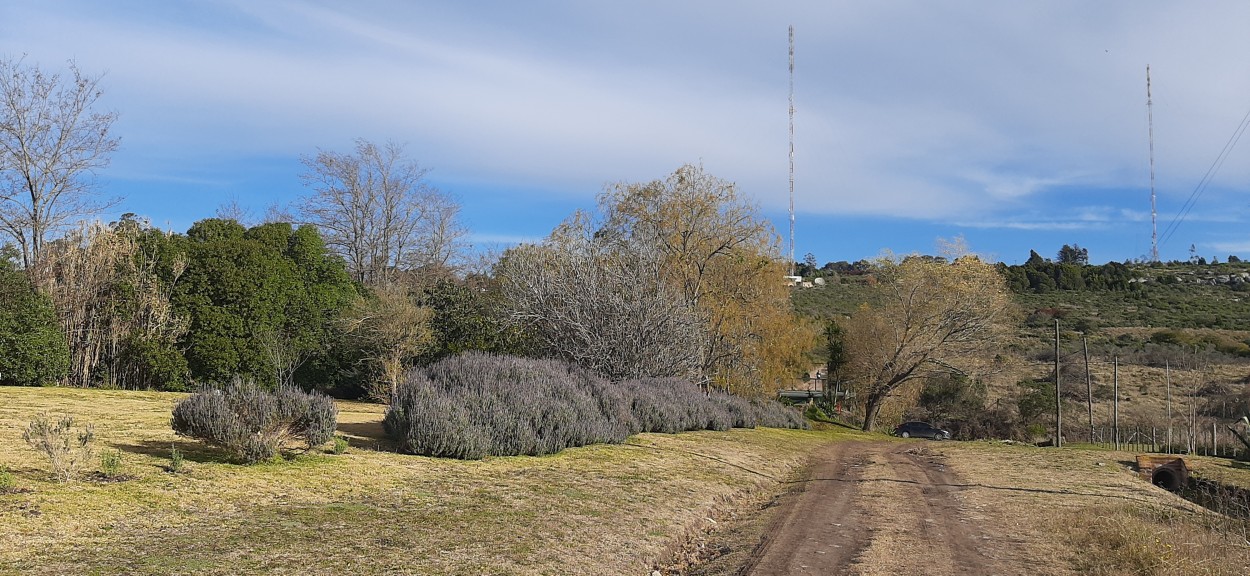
x: 960, y: 111
x: 1231, y: 247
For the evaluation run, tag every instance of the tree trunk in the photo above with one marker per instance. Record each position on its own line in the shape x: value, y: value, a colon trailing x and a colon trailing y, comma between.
x: 872, y: 406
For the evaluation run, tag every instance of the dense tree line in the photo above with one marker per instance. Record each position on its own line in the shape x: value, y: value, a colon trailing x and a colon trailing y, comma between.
x: 132, y: 306
x: 1070, y: 271
x: 360, y: 281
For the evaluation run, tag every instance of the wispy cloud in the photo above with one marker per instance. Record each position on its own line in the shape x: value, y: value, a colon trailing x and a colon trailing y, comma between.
x: 960, y: 112
x: 1231, y: 247
x: 1031, y: 226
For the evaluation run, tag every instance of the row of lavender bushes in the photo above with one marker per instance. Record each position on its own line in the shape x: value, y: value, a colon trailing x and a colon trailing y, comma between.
x: 477, y: 405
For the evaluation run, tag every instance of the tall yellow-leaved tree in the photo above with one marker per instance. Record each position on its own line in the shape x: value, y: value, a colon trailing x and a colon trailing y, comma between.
x: 935, y: 317
x: 723, y: 258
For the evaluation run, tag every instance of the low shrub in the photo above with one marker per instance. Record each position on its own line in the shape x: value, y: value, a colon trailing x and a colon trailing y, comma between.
x: 671, y: 405
x: 255, y: 424
x: 774, y: 414
x: 7, y: 482
x: 476, y: 405
x: 742, y: 413
x: 111, y: 463
x: 340, y: 444
x: 65, y: 447
x: 176, y: 460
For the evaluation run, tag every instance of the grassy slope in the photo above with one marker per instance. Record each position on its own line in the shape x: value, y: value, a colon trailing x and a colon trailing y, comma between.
x: 1088, y: 510
x: 599, y: 509
x: 1120, y: 324
x: 1178, y: 305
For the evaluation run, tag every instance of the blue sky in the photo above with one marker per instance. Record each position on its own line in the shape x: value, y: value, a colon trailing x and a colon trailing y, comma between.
x: 1020, y: 125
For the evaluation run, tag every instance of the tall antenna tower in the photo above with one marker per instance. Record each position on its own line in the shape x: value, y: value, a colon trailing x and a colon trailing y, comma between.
x: 1154, y: 216
x: 792, y: 150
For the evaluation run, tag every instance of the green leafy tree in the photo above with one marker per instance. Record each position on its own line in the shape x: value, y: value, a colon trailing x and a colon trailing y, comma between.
x: 1040, y: 280
x: 1069, y: 277
x: 261, y: 301
x: 1073, y: 254
x: 32, y: 347
x: 469, y: 315
x: 150, y: 356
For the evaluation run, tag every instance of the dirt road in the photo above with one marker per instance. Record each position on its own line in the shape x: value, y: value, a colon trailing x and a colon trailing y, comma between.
x: 877, y: 508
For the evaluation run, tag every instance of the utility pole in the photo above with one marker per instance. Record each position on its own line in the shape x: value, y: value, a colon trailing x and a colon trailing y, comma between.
x: 1089, y: 388
x: 1115, y: 405
x: 1058, y: 399
x: 1167, y: 368
x: 792, y: 151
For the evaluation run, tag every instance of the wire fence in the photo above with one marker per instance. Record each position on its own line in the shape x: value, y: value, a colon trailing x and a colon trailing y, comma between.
x: 1206, y: 438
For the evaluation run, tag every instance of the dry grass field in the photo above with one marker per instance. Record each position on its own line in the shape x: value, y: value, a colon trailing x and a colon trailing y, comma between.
x: 1087, y: 512
x: 592, y: 510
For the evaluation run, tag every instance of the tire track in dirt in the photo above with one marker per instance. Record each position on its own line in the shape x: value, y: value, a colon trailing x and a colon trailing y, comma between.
x: 945, y: 526
x: 874, y: 508
x: 819, y: 529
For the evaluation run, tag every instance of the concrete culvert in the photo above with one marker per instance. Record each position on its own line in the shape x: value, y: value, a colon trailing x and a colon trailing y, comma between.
x: 1167, y: 479
x: 1167, y: 471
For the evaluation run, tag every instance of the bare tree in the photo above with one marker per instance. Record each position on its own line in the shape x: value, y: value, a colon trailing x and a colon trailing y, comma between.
x: 375, y: 209
x: 232, y: 210
x: 51, y: 143
x: 440, y: 235
x: 601, y: 304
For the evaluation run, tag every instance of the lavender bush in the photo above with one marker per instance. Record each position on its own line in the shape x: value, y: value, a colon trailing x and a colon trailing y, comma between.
x: 479, y: 405
x: 475, y: 405
x: 253, y: 423
x: 671, y: 405
x: 774, y: 414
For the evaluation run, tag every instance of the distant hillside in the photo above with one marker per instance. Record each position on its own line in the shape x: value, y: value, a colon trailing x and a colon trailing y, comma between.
x: 1184, y: 323
x: 1086, y: 298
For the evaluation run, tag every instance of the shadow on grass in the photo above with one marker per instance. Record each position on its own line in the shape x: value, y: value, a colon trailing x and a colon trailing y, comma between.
x: 368, y: 435
x: 833, y: 425
x: 191, y: 451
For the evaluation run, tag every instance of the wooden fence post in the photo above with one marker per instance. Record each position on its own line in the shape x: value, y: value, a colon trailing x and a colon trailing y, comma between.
x: 1115, y: 406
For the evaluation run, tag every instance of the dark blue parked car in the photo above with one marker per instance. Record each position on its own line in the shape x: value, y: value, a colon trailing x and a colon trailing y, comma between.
x: 921, y: 430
